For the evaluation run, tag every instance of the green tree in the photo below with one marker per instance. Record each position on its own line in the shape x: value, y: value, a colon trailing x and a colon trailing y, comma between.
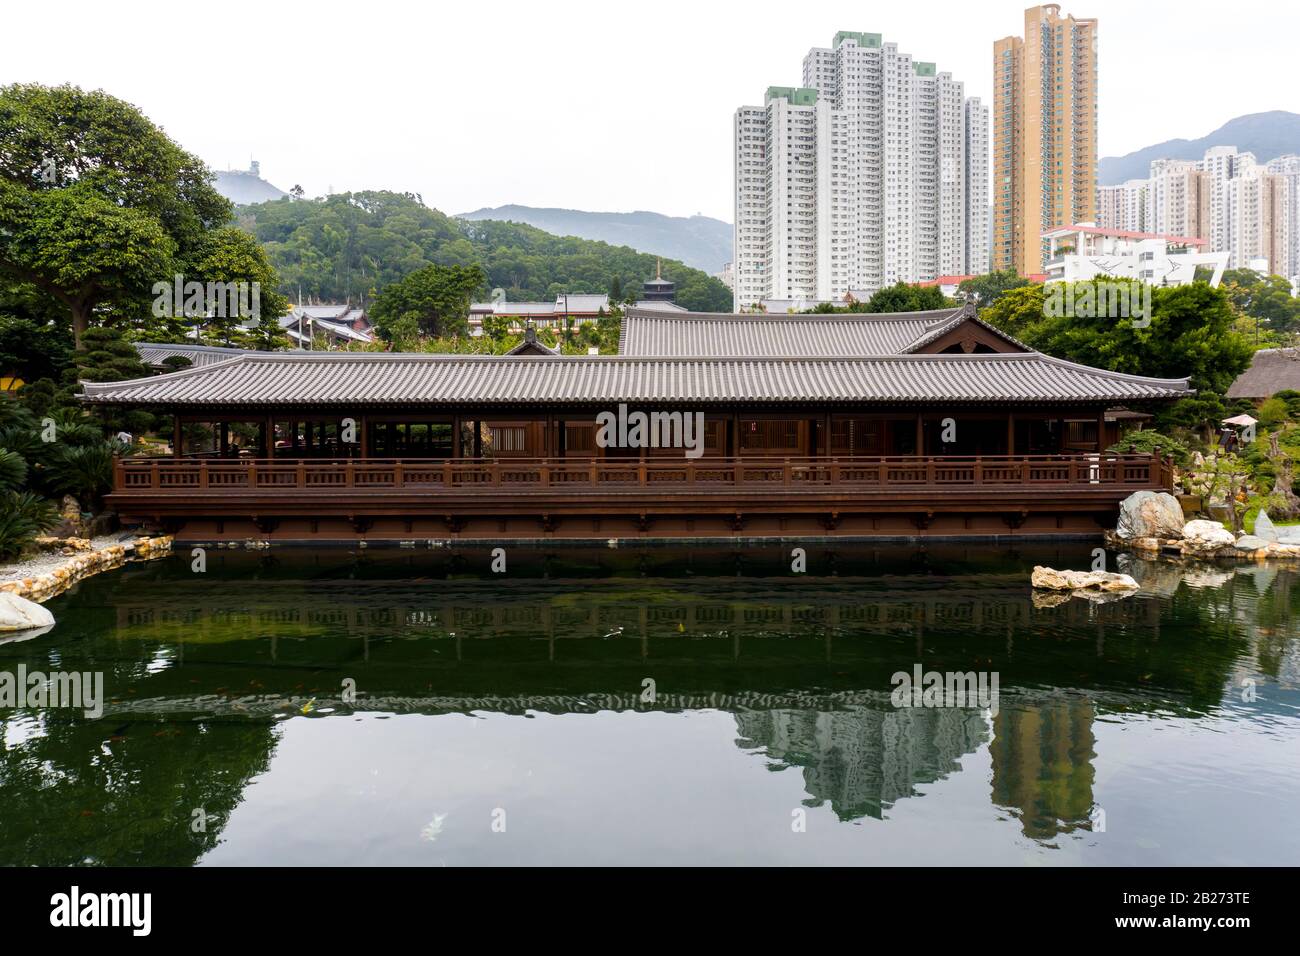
x: 436, y: 297
x: 992, y: 286
x: 234, y: 259
x: 1190, y: 334
x: 96, y: 202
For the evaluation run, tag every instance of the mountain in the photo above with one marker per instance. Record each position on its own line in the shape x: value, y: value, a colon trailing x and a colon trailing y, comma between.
x: 349, y: 245
x: 1267, y: 135
x: 244, y: 186
x: 698, y: 241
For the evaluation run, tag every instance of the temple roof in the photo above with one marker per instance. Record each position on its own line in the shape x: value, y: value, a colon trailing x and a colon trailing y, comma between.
x: 155, y: 353
x: 271, y: 379
x: 709, y: 334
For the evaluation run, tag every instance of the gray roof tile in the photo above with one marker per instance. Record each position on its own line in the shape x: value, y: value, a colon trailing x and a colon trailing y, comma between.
x: 266, y: 379
x: 709, y: 334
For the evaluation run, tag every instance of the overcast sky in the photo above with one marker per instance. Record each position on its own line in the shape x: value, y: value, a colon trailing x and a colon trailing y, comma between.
x: 588, y: 105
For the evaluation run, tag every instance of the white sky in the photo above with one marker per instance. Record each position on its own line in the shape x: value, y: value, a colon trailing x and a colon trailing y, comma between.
x: 587, y: 105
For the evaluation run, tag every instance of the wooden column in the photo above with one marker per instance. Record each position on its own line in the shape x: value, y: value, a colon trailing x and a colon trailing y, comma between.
x: 1011, y: 433
x: 455, y: 436
x: 268, y: 437
x: 920, y: 434
x: 178, y: 436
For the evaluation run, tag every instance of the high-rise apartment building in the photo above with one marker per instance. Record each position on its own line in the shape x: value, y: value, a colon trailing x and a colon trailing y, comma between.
x: 1287, y: 169
x: 1123, y: 207
x: 1044, y: 134
x: 1178, y: 199
x: 874, y: 171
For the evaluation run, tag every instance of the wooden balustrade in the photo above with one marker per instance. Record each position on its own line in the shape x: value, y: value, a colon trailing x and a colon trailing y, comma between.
x: 182, y: 477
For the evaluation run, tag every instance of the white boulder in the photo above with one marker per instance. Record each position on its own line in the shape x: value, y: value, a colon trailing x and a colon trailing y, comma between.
x: 1150, y: 514
x: 19, y: 614
x: 1206, y: 537
x: 1052, y: 580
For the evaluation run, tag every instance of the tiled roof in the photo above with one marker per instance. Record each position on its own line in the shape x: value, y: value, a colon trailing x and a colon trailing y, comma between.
x: 701, y: 334
x: 155, y: 353
x: 267, y: 379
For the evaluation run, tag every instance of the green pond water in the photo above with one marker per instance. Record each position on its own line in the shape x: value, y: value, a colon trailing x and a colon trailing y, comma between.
x: 662, y: 706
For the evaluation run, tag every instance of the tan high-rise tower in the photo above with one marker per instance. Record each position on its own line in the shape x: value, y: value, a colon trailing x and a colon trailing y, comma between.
x: 1044, y: 134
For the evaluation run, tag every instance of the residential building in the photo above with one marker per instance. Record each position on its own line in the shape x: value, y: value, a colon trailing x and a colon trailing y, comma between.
x: 860, y: 178
x: 1288, y: 169
x: 1044, y: 134
x: 1123, y: 207
x: 1177, y: 199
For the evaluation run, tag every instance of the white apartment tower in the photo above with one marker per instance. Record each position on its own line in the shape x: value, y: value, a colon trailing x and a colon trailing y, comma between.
x: 874, y: 171
x: 1123, y: 207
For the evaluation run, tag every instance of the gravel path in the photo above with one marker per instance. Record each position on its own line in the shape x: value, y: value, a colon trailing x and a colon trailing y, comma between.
x: 46, y: 561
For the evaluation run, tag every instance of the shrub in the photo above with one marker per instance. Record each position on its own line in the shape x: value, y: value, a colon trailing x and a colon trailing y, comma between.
x: 1272, y: 412
x: 13, y: 470
x: 85, y: 472
x: 1148, y: 441
x: 23, y: 516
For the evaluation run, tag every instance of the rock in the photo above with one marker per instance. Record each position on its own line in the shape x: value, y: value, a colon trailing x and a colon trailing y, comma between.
x: 1150, y: 514
x: 19, y: 614
x: 1289, y: 535
x: 1250, y: 542
x: 1264, y: 527
x: 1054, y: 580
x: 1206, y: 537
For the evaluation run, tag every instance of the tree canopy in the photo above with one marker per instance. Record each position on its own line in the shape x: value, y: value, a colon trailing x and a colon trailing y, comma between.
x: 353, y: 245
x: 432, y: 301
x: 1191, y: 333
x: 96, y: 202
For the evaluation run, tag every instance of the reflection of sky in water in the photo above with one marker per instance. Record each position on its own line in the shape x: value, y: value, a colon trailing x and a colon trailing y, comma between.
x: 773, y: 706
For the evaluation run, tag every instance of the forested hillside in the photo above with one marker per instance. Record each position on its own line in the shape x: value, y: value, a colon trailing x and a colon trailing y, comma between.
x: 353, y: 244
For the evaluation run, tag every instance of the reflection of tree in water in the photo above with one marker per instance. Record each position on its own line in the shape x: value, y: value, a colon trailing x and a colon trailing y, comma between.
x: 1042, y: 764
x: 78, y: 791
x: 118, y: 791
x: 862, y: 760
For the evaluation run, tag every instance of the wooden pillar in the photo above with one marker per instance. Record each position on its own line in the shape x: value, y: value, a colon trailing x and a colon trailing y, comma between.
x: 1011, y: 433
x: 268, y: 437
x: 920, y: 434
x: 224, y: 432
x: 478, y: 438
x: 455, y: 436
x: 735, y: 435
x: 178, y: 436
x: 1101, y: 431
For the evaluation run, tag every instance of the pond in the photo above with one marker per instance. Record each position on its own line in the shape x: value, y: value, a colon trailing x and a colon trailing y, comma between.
x: 659, y: 706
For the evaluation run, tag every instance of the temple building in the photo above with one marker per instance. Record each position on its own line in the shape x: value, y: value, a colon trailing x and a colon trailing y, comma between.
x: 705, y: 425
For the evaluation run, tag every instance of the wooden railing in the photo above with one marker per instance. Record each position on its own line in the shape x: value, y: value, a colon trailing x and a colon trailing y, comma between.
x: 493, y: 476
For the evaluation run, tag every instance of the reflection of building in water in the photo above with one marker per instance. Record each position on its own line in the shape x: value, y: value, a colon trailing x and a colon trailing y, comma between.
x: 863, y: 760
x: 1042, y: 763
